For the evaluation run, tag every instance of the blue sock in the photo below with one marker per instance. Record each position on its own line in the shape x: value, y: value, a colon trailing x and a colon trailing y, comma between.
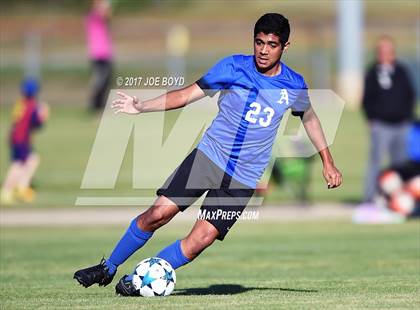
x: 173, y: 255
x: 133, y: 239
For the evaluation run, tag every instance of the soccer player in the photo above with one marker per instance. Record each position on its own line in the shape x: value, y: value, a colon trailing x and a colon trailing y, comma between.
x: 256, y: 91
x: 28, y: 115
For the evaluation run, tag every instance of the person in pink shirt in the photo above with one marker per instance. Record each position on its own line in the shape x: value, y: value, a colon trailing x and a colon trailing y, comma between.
x: 100, y: 51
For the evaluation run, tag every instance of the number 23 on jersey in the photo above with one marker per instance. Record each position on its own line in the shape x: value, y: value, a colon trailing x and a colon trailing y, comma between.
x: 255, y: 115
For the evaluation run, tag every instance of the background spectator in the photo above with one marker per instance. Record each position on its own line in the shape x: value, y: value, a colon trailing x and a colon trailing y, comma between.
x: 100, y: 51
x: 388, y: 103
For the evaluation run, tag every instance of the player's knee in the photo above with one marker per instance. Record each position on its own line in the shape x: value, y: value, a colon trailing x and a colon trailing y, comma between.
x: 153, y: 218
x: 207, y: 239
x: 157, y: 214
x: 33, y: 160
x: 197, y: 242
x: 34, y: 157
x: 150, y: 219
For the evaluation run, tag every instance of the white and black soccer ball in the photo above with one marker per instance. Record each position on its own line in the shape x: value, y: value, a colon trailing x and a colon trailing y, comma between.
x: 154, y: 276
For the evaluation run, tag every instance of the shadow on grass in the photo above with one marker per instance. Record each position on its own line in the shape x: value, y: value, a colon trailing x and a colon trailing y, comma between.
x: 231, y: 289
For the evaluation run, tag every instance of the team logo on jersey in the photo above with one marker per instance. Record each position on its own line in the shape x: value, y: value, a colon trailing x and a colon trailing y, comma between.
x: 284, y: 97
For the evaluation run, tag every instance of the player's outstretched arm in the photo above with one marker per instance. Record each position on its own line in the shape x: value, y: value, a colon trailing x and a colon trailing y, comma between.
x: 313, y: 128
x: 172, y: 100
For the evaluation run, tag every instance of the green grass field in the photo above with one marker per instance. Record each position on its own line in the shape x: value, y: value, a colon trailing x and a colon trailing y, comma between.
x: 295, y: 266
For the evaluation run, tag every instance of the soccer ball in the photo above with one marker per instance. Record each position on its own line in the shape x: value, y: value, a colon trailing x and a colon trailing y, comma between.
x: 390, y: 182
x: 154, y: 276
x: 402, y: 202
x: 413, y: 186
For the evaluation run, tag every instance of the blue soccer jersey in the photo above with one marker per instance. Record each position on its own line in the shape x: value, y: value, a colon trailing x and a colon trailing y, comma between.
x: 251, y: 106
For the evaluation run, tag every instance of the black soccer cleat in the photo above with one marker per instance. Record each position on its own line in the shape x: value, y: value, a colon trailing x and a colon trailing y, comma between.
x: 95, y: 274
x: 126, y: 287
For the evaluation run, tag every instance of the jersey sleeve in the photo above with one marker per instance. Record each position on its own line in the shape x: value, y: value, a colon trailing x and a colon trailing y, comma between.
x: 220, y: 76
x: 302, y: 102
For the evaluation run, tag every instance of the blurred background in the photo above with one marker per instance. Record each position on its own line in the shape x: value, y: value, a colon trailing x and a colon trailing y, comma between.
x: 48, y: 38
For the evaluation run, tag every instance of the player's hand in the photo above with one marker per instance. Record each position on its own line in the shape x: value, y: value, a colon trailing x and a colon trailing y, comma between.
x: 44, y: 111
x: 332, y: 176
x: 126, y: 104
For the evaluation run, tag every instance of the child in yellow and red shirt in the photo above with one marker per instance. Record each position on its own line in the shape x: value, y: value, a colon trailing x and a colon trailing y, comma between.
x: 28, y: 115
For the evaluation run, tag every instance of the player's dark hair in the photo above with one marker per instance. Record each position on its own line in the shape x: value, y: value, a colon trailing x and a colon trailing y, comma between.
x: 273, y: 23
